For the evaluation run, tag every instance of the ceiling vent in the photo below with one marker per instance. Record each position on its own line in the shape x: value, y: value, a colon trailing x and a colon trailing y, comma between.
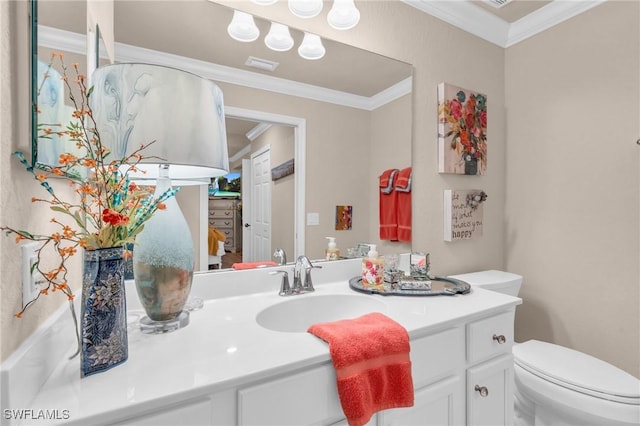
x: 263, y: 64
x: 497, y: 3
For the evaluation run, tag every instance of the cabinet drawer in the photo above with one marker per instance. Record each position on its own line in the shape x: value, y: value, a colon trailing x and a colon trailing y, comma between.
x: 437, y: 355
x: 220, y: 214
x: 221, y: 223
x: 490, y: 337
x: 314, y: 401
x: 228, y: 243
x: 222, y: 204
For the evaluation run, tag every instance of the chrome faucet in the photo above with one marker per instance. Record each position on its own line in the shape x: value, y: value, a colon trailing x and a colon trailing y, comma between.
x: 298, y: 286
x: 280, y: 256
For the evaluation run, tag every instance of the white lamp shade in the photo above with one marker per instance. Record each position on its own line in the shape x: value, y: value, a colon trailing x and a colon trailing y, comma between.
x: 264, y: 2
x: 344, y: 15
x: 279, y: 38
x: 305, y: 8
x: 135, y: 104
x: 243, y: 27
x: 311, y: 47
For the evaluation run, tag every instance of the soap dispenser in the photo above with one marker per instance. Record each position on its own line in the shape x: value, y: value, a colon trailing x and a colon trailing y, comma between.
x: 373, y: 270
x: 332, y: 252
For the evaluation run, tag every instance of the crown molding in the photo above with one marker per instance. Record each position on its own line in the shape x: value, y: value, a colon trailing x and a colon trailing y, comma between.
x: 481, y: 23
x: 546, y: 17
x: 54, y: 38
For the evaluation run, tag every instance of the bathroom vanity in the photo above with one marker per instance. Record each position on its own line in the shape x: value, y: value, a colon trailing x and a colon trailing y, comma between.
x: 232, y: 365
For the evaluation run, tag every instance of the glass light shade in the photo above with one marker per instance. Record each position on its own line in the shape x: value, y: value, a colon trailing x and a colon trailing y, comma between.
x: 135, y: 104
x: 279, y: 38
x: 264, y: 2
x: 243, y: 27
x: 305, y: 8
x: 344, y: 15
x: 311, y: 47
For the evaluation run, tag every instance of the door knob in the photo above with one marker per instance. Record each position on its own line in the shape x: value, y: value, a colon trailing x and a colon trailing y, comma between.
x: 483, y: 390
x: 246, y: 225
x: 500, y: 339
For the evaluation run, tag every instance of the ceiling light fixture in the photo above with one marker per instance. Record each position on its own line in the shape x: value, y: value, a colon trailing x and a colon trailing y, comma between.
x: 311, y: 47
x: 279, y: 38
x: 243, y: 27
x: 305, y: 8
x: 344, y: 15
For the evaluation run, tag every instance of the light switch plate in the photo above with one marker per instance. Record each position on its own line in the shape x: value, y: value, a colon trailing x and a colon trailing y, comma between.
x: 313, y: 219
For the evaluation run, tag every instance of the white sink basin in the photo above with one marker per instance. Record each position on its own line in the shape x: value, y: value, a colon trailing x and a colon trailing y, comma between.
x: 297, y: 313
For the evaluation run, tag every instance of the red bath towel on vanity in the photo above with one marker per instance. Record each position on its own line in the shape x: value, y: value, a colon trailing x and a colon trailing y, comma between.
x: 371, y: 357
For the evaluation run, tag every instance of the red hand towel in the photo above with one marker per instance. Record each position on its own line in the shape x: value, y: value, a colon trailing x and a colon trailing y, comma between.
x: 253, y: 265
x: 373, y: 368
x: 403, y: 189
x: 388, y: 206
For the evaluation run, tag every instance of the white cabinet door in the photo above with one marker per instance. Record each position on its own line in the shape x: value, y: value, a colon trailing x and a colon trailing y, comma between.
x: 490, y: 392
x: 439, y: 404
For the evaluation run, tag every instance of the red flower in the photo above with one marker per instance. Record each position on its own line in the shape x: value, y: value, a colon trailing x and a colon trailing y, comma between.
x: 456, y: 108
x: 483, y: 119
x: 469, y: 121
x: 114, y: 218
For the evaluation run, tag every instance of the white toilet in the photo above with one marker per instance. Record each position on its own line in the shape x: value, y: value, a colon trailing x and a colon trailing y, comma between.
x: 557, y: 386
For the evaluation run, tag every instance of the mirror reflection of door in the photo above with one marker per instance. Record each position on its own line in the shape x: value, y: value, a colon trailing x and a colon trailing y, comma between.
x: 260, y: 229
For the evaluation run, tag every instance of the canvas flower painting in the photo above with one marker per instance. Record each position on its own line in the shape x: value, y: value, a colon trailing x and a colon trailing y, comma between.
x: 462, y: 131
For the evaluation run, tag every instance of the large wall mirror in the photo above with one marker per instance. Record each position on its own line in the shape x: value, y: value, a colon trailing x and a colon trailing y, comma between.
x: 344, y: 118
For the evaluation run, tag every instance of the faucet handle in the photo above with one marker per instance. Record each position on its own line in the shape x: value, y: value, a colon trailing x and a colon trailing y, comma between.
x: 285, y: 288
x: 308, y: 283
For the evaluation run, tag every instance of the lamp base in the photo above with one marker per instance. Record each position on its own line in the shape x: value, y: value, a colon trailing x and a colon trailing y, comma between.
x: 149, y: 326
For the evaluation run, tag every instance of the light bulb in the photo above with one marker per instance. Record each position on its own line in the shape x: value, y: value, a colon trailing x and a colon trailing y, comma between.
x: 279, y: 38
x: 311, y: 47
x: 305, y: 8
x: 344, y: 15
x: 243, y: 27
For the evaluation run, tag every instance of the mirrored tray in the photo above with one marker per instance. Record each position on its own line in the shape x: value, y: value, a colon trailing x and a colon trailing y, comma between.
x: 439, y: 286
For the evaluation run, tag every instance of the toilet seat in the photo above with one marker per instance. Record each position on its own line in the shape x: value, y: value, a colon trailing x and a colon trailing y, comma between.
x: 577, y: 371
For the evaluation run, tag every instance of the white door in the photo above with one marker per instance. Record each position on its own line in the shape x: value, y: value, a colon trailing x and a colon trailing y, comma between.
x: 246, y: 188
x: 260, y: 205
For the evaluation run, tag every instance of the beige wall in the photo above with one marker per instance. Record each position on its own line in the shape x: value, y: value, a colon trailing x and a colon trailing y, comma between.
x: 572, y: 217
x: 562, y: 256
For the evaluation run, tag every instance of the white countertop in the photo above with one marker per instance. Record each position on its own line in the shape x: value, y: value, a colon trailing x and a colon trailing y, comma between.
x: 223, y: 346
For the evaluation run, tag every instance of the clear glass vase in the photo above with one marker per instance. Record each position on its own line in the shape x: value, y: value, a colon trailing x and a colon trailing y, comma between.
x: 163, y: 263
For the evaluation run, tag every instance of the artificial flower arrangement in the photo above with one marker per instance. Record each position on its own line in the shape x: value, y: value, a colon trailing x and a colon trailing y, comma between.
x: 107, y: 210
x: 467, y: 118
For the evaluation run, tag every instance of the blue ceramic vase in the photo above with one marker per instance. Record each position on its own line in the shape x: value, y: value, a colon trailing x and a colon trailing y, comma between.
x: 104, y: 311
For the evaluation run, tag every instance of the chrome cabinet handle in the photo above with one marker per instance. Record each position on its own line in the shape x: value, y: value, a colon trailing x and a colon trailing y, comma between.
x: 499, y: 338
x: 483, y: 390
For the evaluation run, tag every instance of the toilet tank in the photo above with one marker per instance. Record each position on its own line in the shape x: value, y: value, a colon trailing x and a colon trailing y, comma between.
x: 500, y: 281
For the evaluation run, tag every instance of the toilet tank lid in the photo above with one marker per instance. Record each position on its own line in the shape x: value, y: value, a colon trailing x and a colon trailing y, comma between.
x: 490, y: 278
x: 577, y: 370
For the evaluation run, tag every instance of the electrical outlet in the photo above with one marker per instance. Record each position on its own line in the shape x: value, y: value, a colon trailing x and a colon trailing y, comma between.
x: 30, y: 275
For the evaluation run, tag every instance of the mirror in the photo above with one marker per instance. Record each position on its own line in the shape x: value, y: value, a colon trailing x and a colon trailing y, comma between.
x: 336, y: 105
